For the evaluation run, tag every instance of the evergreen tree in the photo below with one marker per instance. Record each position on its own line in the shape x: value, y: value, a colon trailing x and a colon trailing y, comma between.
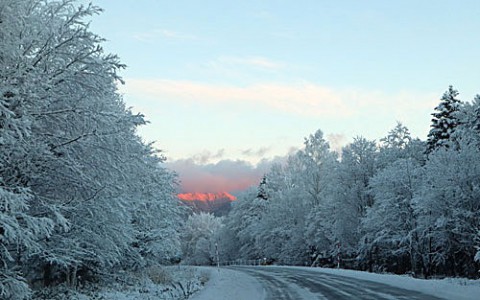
x: 262, y: 189
x: 444, y: 120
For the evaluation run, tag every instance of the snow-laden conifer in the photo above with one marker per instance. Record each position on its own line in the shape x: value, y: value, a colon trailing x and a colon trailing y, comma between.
x: 444, y: 120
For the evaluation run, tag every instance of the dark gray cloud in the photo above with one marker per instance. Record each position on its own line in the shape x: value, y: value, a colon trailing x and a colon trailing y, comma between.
x: 206, y: 156
x: 256, y: 152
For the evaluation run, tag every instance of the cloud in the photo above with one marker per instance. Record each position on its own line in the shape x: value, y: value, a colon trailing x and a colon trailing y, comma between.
x: 207, y: 156
x: 162, y: 33
x: 223, y: 176
x: 255, y: 152
x: 305, y: 99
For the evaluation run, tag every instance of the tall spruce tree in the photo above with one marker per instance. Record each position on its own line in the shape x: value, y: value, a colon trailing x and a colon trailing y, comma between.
x: 444, y: 120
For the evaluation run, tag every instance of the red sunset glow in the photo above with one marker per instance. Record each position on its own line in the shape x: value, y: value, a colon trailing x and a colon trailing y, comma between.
x: 210, y: 183
x: 206, y: 196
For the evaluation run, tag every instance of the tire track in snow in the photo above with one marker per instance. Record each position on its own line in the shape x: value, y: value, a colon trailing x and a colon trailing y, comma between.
x: 368, y: 288
x: 276, y: 287
x: 287, y: 283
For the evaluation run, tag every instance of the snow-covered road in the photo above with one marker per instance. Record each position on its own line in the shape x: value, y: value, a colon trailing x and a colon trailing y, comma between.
x: 293, y: 284
x: 276, y: 282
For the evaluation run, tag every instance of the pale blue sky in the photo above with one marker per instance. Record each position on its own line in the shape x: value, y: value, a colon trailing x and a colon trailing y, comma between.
x: 262, y: 75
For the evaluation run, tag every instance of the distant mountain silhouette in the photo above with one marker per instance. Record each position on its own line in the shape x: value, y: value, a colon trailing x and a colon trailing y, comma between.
x: 219, y: 204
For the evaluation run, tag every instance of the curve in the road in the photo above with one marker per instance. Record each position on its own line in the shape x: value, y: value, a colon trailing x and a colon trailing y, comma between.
x: 293, y: 284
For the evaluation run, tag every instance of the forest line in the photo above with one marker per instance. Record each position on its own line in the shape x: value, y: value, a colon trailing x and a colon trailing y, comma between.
x: 402, y: 205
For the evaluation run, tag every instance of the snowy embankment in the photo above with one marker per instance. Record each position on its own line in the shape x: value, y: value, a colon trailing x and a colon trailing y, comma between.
x: 230, y: 284
x: 158, y: 283
x: 179, y: 282
x: 225, y: 284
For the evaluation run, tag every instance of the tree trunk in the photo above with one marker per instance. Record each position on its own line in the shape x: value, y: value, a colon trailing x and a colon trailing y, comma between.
x: 47, y: 274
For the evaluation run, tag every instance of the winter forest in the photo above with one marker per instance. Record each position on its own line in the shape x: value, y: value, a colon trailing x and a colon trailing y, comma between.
x: 404, y: 205
x: 83, y: 198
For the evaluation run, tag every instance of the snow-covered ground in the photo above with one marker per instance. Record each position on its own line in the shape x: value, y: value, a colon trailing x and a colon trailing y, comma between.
x: 178, y: 282
x: 232, y: 284
x: 158, y: 283
x: 225, y: 284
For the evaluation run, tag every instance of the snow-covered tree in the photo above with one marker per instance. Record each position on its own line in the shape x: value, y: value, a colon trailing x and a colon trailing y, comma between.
x: 19, y: 235
x: 200, y: 236
x: 468, y: 129
x: 444, y: 120
x: 397, y: 138
x: 281, y: 238
x: 318, y: 172
x: 262, y: 189
x: 242, y: 226
x: 448, y: 209
x: 399, y: 144
x: 350, y: 198
x: 390, y: 238
x: 80, y: 191
x: 318, y: 162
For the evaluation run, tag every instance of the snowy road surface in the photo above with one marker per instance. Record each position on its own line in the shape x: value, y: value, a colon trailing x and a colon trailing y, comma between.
x: 293, y: 284
x: 275, y: 282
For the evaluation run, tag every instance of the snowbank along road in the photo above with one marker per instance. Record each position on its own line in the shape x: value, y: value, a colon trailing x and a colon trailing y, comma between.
x: 294, y: 284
